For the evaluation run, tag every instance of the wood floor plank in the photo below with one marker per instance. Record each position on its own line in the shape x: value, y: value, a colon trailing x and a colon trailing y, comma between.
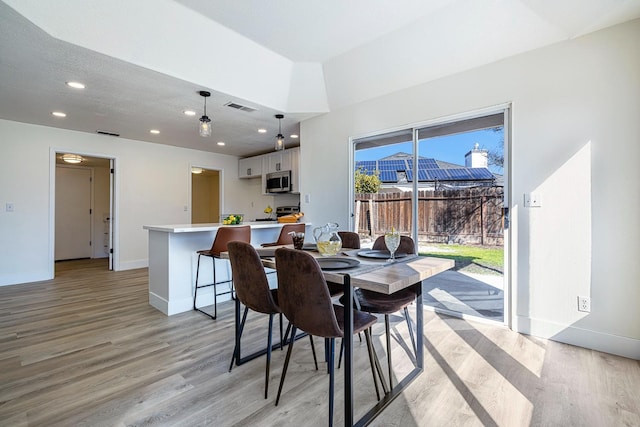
x: 86, y: 349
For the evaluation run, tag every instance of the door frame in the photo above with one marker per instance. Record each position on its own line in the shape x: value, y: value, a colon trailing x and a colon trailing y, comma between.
x: 114, y: 263
x: 220, y: 187
x: 506, y: 109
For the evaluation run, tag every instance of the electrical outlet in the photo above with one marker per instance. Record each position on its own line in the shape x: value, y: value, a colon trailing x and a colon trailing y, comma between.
x: 532, y: 200
x: 584, y: 304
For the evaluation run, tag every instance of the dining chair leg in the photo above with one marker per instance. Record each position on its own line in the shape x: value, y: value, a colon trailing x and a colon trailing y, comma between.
x: 266, y: 374
x: 387, y: 330
x: 286, y: 364
x: 373, y: 368
x: 413, y: 340
x: 313, y: 350
x: 234, y: 358
x: 281, y: 340
x: 341, y: 351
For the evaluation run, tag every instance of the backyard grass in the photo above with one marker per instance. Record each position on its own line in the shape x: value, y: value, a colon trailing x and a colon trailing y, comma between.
x: 468, y: 258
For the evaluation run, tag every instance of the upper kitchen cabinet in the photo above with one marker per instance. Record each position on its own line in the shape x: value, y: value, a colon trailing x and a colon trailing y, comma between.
x: 251, y: 167
x: 276, y: 162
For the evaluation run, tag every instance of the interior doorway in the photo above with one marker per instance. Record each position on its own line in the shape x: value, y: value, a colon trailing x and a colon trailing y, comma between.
x: 205, y: 195
x: 445, y: 184
x: 83, y: 192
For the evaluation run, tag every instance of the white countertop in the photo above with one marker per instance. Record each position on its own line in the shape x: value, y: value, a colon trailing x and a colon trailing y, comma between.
x: 194, y: 228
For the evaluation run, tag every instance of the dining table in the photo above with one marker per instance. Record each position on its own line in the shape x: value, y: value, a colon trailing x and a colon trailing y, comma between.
x: 368, y: 269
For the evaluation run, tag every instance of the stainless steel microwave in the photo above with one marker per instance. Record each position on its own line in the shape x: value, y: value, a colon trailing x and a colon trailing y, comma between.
x: 279, y: 182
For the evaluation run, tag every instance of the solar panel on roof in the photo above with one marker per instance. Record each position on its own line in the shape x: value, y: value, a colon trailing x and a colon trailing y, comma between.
x: 388, y: 176
x: 460, y: 174
x: 481, y: 173
x: 440, y: 174
x: 427, y: 164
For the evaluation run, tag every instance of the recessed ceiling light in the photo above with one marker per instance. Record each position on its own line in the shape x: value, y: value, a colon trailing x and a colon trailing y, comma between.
x: 72, y: 158
x: 189, y: 113
x: 220, y: 143
x: 196, y: 170
x: 154, y: 131
x: 262, y: 130
x: 75, y: 85
x: 293, y: 136
x: 59, y: 114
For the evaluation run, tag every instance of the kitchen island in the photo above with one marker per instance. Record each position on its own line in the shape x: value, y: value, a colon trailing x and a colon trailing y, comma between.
x: 173, y: 259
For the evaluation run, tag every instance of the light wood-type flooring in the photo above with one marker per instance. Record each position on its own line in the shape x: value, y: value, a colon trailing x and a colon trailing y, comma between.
x: 86, y: 349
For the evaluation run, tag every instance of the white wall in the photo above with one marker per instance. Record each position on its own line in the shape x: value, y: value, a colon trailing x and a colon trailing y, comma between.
x: 152, y: 187
x: 575, y: 140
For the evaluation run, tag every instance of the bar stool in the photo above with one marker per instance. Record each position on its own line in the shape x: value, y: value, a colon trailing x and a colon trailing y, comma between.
x: 284, y: 238
x: 223, y: 237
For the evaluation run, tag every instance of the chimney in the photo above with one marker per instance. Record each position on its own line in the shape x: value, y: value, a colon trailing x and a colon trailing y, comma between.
x: 476, y: 158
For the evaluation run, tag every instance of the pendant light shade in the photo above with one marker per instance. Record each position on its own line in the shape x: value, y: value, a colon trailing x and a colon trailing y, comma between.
x: 279, y: 137
x: 205, y: 121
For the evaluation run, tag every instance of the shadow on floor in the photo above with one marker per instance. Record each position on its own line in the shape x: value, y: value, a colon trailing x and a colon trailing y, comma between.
x: 469, y: 294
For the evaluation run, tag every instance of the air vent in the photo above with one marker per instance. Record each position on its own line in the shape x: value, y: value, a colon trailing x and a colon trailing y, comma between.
x: 240, y: 107
x: 102, y: 132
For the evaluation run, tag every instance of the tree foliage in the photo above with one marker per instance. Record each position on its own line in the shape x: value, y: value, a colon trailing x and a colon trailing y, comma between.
x: 366, y: 183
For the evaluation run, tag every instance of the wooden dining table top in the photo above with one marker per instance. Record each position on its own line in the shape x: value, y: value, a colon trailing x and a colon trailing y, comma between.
x: 374, y: 274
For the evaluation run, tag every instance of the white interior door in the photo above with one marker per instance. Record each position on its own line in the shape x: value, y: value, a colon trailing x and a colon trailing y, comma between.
x: 73, y: 213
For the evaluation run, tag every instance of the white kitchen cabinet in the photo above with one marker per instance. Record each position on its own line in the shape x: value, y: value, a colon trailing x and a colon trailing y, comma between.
x: 284, y: 160
x: 250, y: 167
x: 295, y: 169
x: 276, y: 162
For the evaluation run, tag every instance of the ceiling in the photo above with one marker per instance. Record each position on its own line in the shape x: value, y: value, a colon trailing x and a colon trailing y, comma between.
x: 144, y: 63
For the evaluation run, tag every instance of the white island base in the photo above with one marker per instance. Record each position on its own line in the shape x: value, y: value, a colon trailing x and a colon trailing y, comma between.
x: 173, y: 261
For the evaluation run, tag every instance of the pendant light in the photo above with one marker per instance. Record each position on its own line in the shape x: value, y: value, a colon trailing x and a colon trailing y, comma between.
x: 279, y: 137
x: 205, y: 121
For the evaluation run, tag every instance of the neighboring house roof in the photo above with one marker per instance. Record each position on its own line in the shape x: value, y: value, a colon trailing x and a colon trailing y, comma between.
x: 398, y: 168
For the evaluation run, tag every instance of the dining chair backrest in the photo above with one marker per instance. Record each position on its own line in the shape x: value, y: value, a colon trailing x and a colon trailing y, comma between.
x: 407, y: 246
x: 250, y: 279
x: 349, y: 239
x: 303, y: 295
x: 227, y: 234
x: 285, y: 238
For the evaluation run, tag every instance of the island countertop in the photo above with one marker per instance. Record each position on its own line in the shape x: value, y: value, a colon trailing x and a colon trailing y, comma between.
x: 173, y: 261
x: 214, y: 226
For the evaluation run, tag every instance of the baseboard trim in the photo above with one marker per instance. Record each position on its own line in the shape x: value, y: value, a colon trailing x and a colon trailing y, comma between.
x: 594, y: 340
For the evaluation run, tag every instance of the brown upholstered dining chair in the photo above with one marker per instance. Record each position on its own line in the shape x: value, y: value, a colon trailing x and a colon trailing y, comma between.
x: 350, y: 239
x: 224, y: 235
x: 252, y: 290
x: 304, y: 299
x: 284, y: 238
x: 377, y: 303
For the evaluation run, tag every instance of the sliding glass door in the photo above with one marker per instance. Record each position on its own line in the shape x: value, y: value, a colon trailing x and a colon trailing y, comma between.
x: 443, y: 184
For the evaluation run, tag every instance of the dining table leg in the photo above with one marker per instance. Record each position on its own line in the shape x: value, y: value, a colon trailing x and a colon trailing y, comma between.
x: 348, y: 352
x: 397, y: 389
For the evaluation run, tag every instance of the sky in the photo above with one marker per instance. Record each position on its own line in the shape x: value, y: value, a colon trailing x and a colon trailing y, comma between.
x: 451, y: 148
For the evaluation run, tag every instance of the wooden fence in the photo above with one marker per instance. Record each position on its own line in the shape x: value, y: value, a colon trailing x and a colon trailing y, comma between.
x: 471, y: 216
